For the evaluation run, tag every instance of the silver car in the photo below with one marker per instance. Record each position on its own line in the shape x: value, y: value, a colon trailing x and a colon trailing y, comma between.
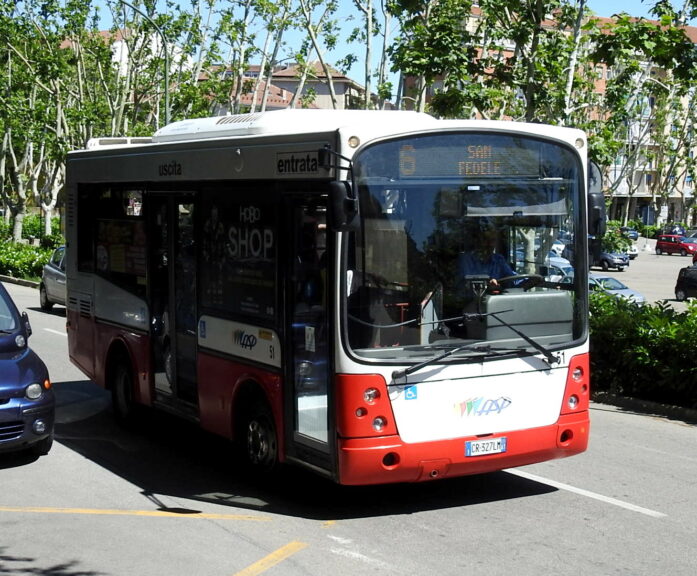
x: 52, y: 286
x: 612, y: 286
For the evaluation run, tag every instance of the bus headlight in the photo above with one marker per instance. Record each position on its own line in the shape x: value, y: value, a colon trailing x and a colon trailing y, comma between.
x: 379, y: 423
x: 577, y: 393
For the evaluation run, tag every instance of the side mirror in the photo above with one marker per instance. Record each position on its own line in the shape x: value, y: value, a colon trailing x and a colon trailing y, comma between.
x: 343, y: 205
x: 27, y: 325
x: 596, y: 201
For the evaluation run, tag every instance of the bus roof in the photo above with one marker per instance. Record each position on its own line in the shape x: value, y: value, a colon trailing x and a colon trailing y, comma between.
x: 288, y: 121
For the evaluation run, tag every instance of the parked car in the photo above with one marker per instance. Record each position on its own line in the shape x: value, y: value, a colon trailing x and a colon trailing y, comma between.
x: 608, y: 260
x: 52, y: 285
x: 686, y: 283
x: 27, y: 403
x: 630, y: 233
x: 557, y: 268
x: 612, y: 286
x: 675, y: 244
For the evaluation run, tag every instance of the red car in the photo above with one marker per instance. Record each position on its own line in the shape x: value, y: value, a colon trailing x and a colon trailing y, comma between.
x: 675, y: 244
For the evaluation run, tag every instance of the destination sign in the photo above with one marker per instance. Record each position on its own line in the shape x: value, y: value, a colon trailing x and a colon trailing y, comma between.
x: 475, y: 156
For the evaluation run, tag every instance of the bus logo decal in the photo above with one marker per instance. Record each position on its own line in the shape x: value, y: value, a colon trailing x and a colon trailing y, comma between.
x: 244, y: 339
x: 482, y: 407
x: 172, y: 168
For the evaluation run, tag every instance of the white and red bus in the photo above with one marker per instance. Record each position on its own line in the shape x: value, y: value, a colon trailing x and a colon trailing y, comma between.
x: 295, y: 281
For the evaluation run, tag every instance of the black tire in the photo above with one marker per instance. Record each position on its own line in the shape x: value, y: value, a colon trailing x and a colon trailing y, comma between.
x: 44, y: 302
x: 659, y: 251
x: 260, y: 442
x: 604, y: 265
x: 122, y: 384
x: 680, y: 295
x: 683, y: 252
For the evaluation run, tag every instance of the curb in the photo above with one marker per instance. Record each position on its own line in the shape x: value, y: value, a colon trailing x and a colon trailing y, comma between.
x: 687, y: 415
x: 20, y: 281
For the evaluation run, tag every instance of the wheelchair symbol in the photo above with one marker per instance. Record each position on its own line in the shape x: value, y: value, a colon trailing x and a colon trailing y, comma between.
x: 410, y: 393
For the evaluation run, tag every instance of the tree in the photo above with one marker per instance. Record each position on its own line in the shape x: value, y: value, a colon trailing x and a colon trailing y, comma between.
x: 645, y: 118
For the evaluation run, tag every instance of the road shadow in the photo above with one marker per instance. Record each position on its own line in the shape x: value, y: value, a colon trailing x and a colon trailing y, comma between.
x: 56, y: 310
x: 13, y: 564
x: 164, y: 455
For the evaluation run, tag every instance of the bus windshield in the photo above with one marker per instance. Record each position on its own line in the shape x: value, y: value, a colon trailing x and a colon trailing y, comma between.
x: 462, y: 238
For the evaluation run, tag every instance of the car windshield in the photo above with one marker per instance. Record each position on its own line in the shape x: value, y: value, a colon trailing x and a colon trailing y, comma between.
x: 442, y: 214
x: 8, y: 320
x: 611, y: 283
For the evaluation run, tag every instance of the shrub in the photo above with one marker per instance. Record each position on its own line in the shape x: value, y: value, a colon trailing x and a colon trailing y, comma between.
x: 643, y: 352
x: 614, y: 240
x: 22, y: 260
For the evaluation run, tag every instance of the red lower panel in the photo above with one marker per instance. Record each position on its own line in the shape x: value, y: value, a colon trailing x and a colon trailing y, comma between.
x: 218, y: 382
x: 387, y: 459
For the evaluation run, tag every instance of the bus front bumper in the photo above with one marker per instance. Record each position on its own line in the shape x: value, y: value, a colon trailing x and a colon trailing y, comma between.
x: 387, y: 459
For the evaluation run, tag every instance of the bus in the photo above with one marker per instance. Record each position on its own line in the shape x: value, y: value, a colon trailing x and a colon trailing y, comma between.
x: 293, y: 281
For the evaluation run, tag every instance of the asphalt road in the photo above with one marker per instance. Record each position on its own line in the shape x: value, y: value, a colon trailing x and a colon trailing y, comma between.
x: 168, y: 500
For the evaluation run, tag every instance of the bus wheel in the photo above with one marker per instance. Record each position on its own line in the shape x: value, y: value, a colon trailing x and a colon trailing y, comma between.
x: 122, y: 394
x: 261, y: 447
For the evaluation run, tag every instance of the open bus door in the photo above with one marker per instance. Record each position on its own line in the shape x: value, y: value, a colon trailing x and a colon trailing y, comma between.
x: 308, y: 364
x: 172, y: 296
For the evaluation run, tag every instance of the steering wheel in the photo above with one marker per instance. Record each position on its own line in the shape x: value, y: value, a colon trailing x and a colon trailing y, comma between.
x: 529, y: 280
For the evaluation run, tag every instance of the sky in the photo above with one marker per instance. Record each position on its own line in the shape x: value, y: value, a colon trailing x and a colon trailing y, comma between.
x: 604, y: 8
x: 637, y: 8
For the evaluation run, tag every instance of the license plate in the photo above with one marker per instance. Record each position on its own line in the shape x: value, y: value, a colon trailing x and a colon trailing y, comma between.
x: 483, y: 447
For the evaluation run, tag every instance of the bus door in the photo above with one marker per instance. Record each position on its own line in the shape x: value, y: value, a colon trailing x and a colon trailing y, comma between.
x: 308, y: 361
x: 172, y: 296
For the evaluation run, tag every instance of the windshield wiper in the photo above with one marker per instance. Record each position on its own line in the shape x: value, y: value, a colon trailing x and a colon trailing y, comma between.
x: 469, y: 316
x: 551, y: 358
x: 483, y: 349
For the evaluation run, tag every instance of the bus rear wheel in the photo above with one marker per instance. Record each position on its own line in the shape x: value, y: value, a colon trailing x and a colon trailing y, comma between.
x: 260, y: 444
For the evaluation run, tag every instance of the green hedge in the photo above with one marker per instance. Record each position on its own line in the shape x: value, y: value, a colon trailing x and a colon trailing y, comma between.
x: 23, y: 260
x: 644, y: 352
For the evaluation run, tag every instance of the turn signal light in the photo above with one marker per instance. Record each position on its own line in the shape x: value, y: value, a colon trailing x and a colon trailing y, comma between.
x: 577, y: 392
x: 363, y: 406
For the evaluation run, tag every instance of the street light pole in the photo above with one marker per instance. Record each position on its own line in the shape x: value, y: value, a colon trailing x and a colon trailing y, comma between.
x: 164, y: 47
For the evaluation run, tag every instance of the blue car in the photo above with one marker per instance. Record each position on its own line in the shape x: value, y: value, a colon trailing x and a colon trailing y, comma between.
x: 27, y: 402
x: 630, y: 233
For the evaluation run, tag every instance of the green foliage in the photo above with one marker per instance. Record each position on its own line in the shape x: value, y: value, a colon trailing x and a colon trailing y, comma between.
x: 645, y: 351
x: 23, y: 260
x: 5, y: 231
x: 614, y: 240
x: 32, y: 226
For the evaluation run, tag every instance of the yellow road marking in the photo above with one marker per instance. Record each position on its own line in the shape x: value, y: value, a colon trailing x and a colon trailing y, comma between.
x: 272, y: 559
x: 149, y: 513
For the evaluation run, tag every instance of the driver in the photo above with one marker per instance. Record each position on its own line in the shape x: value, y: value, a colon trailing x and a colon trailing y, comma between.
x: 483, y: 258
